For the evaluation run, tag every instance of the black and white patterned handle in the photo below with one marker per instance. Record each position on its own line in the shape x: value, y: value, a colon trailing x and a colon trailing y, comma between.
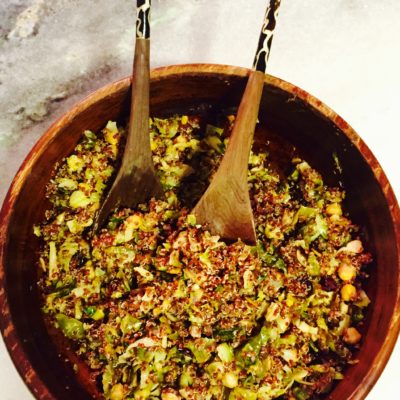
x: 143, y: 19
x: 267, y: 33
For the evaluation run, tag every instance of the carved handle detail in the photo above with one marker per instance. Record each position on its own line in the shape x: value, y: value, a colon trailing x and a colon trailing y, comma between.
x: 143, y: 19
x: 267, y: 32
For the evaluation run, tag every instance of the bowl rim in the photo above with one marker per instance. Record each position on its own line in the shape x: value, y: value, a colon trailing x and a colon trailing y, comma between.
x: 10, y: 337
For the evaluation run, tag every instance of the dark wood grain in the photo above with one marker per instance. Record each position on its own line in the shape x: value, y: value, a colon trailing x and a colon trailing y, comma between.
x: 288, y: 116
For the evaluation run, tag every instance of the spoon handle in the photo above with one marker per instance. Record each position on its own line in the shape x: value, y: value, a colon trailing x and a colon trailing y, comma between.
x: 249, y: 106
x: 136, y: 180
x: 225, y: 207
x: 137, y: 153
x: 143, y: 19
x: 266, y: 35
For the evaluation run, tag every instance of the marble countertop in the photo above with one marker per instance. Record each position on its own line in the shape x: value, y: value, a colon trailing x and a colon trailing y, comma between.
x: 54, y: 52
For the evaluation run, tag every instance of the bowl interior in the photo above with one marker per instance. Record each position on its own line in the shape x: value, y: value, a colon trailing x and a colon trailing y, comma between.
x: 288, y: 117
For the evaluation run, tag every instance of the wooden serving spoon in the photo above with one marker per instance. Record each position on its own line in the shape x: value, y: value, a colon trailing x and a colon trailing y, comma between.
x: 225, y: 207
x: 136, y: 180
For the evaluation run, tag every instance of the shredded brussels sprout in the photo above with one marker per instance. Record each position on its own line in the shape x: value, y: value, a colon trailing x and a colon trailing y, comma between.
x: 161, y: 309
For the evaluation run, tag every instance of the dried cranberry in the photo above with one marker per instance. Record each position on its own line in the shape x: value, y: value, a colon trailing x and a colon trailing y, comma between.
x: 328, y: 283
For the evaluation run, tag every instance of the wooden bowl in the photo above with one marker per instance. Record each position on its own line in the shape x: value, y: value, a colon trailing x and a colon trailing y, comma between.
x: 289, y: 116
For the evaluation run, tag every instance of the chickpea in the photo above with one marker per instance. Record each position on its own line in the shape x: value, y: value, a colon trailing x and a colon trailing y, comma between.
x: 346, y: 272
x: 351, y: 335
x: 334, y: 209
x: 117, y: 392
x: 348, y: 292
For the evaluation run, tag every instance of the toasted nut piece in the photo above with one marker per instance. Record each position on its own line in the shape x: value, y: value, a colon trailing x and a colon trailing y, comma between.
x: 355, y: 246
x: 363, y: 299
x: 170, y: 396
x: 348, y: 292
x: 346, y: 272
x: 351, y: 335
x: 230, y: 380
x: 195, y: 331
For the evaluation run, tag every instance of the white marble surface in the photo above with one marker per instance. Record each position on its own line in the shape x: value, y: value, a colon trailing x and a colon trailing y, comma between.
x: 53, y: 52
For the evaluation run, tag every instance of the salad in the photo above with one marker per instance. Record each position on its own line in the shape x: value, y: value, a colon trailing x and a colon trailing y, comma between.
x: 158, y: 308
